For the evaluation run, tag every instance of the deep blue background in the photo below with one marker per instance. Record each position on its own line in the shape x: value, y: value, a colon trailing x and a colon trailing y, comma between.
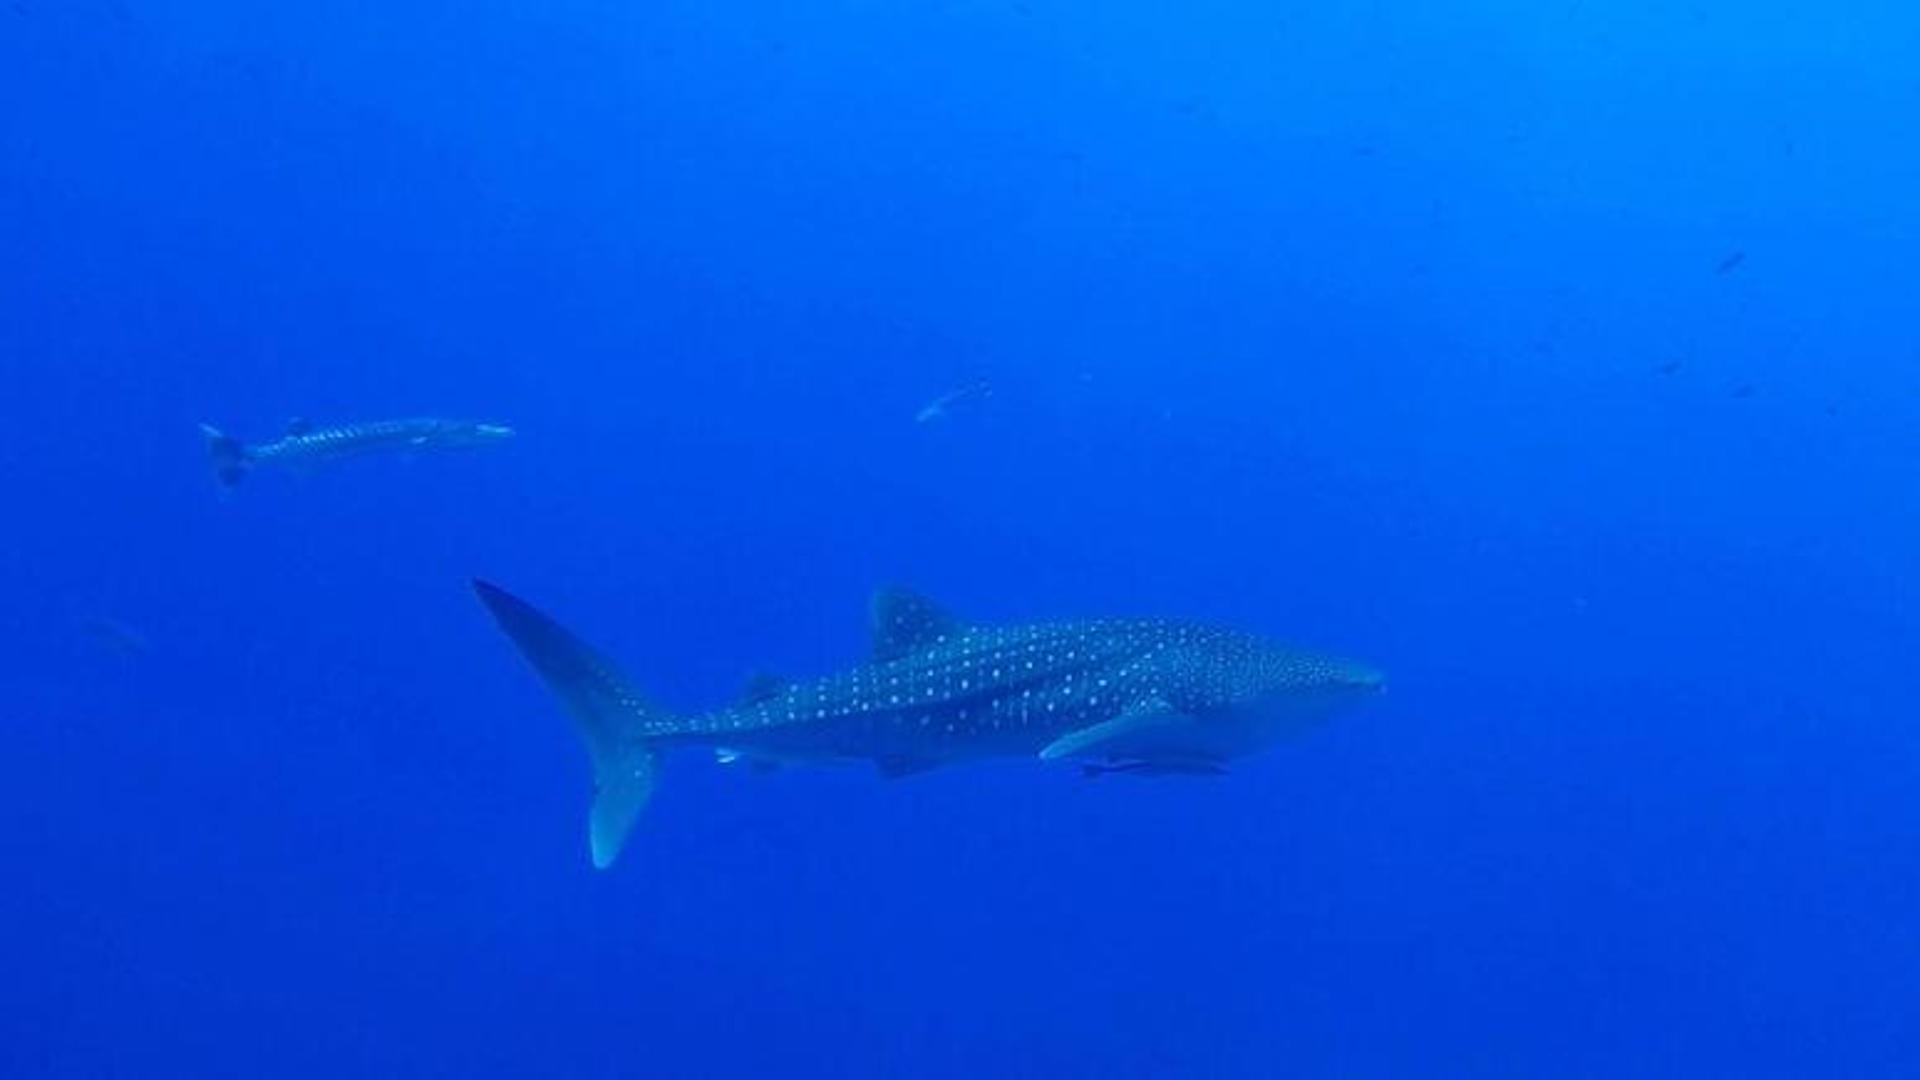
x: 1353, y: 323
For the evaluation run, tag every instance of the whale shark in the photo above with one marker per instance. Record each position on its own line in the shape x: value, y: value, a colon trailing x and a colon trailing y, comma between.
x: 1148, y: 697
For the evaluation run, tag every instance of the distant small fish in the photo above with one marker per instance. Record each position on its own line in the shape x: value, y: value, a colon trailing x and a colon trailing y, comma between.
x: 1730, y: 263
x: 1743, y: 390
x: 1668, y: 367
x: 941, y: 407
x: 114, y: 635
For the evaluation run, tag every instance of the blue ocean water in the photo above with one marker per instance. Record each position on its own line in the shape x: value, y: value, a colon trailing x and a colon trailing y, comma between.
x: 1558, y: 358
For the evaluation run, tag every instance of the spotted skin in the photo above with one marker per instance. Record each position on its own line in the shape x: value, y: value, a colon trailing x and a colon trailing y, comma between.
x: 1143, y: 696
x: 995, y: 691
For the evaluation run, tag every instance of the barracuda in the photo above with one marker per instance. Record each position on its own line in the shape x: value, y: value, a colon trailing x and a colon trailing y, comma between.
x: 305, y: 444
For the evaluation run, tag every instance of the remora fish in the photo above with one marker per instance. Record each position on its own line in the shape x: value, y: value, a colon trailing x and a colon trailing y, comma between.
x: 1139, y: 695
x: 305, y: 444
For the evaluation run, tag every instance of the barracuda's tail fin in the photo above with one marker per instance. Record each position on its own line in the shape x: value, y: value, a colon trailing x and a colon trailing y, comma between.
x: 229, y: 455
x: 611, y: 718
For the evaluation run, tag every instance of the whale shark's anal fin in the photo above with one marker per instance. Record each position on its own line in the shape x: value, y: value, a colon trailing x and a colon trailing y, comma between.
x: 760, y: 763
x: 1111, y: 736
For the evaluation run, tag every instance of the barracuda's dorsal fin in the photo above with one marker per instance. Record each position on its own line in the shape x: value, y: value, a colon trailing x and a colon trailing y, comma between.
x: 906, y: 622
x: 762, y: 687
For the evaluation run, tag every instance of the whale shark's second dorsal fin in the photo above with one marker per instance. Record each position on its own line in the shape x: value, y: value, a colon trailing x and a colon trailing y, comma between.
x: 906, y: 622
x: 762, y: 687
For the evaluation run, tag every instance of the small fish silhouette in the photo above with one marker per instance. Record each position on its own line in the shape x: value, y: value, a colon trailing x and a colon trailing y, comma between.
x: 113, y: 635
x: 941, y: 407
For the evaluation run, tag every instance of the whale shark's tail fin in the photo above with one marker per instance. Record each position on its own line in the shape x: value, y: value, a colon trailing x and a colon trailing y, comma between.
x: 612, y: 719
x: 229, y: 455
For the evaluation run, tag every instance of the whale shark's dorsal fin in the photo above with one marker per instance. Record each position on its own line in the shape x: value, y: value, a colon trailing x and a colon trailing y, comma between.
x: 299, y: 426
x: 906, y: 622
x: 762, y: 687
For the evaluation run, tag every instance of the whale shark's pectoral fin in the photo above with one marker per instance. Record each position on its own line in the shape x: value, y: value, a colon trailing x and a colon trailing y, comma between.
x: 1109, y: 735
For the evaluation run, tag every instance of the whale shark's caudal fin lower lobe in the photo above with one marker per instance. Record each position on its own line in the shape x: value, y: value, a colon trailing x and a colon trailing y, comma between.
x: 229, y: 455
x: 611, y: 718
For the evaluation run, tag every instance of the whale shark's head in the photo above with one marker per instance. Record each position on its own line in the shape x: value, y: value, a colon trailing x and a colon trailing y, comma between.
x: 1244, y: 692
x: 1272, y: 674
